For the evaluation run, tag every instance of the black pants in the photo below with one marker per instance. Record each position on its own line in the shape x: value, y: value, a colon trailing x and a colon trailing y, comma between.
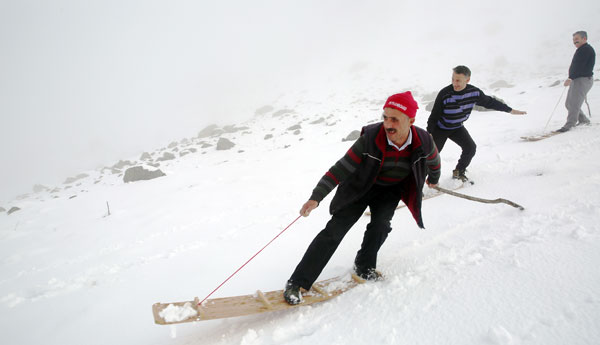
x: 462, y: 138
x: 382, y: 202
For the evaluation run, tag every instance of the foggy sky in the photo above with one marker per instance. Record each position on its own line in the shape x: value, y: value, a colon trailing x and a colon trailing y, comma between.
x: 86, y: 83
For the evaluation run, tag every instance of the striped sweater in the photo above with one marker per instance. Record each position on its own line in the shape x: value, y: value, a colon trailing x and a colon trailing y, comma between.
x: 452, y: 108
x: 371, y: 161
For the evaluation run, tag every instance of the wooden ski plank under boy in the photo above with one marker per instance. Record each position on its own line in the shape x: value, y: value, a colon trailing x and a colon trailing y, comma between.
x: 219, y: 308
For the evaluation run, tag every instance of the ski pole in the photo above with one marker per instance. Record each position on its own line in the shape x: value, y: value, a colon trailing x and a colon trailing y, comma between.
x: 553, y: 110
x: 588, y: 106
x: 486, y: 201
x: 253, y: 256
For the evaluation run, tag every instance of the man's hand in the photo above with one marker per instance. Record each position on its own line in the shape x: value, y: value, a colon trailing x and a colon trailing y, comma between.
x: 307, y: 207
x: 567, y: 82
x: 431, y: 185
x: 518, y: 112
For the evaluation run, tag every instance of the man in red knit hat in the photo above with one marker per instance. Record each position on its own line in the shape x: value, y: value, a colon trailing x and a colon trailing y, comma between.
x: 391, y: 161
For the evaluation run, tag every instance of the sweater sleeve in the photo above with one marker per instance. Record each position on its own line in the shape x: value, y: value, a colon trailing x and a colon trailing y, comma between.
x: 434, y: 164
x: 492, y: 103
x: 436, y: 112
x: 340, y: 170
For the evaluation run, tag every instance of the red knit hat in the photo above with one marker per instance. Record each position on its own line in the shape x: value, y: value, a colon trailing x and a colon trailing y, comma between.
x: 404, y: 102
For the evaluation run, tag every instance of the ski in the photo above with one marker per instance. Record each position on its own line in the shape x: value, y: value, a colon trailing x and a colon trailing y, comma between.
x: 553, y: 133
x: 540, y: 136
x: 220, y: 308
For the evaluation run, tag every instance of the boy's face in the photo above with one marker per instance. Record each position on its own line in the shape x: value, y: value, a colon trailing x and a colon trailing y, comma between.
x: 459, y: 81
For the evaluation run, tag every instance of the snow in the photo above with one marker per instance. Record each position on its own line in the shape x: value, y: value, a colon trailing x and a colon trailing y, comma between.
x: 174, y: 313
x: 70, y: 273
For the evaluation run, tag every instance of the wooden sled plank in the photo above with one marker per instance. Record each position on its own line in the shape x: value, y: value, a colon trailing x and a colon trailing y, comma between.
x: 219, y: 308
x: 539, y: 137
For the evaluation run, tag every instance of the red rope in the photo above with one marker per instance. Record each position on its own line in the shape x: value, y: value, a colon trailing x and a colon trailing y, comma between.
x: 239, y: 269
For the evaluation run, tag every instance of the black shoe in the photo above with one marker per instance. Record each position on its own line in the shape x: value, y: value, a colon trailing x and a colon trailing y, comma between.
x: 562, y: 129
x: 459, y: 175
x: 585, y: 123
x: 292, y: 294
x: 369, y: 274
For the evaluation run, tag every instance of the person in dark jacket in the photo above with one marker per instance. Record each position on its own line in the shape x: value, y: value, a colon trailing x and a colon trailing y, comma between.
x: 452, y: 108
x: 580, y: 81
x: 389, y: 162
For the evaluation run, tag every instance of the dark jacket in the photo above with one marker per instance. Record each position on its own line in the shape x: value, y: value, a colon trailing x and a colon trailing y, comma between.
x: 424, y: 160
x: 583, y: 62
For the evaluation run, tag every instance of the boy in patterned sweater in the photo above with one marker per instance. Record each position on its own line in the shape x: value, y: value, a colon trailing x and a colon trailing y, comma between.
x: 452, y: 108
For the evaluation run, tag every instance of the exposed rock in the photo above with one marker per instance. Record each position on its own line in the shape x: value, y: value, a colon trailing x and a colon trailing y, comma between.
x: 263, y: 110
x: 2, y: 209
x: 122, y: 164
x: 145, y: 156
x: 38, y: 188
x: 480, y: 108
x: 172, y: 145
x: 268, y: 136
x: 429, y: 106
x: 224, y: 144
x: 73, y: 179
x: 233, y: 129
x: 187, y: 151
x: 22, y: 196
x: 205, y: 145
x: 208, y: 131
x: 294, y: 127
x: 282, y: 112
x: 500, y: 84
x: 167, y: 156
x: 296, y: 132
x: 429, y: 97
x: 556, y: 83
x: 316, y: 122
x: 138, y: 173
x: 352, y: 136
x: 13, y: 209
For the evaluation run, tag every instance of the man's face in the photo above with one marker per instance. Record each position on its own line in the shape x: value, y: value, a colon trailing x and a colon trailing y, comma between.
x: 459, y: 81
x: 396, y: 124
x: 578, y: 41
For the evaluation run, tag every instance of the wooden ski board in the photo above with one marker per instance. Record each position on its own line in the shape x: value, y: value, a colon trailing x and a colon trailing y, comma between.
x: 540, y: 137
x: 553, y: 133
x: 219, y: 308
x: 401, y: 205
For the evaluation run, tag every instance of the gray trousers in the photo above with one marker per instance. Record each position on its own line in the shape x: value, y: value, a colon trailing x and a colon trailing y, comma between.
x: 577, y: 94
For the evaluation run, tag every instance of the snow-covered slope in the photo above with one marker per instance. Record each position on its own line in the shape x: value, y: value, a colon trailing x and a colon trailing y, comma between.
x: 479, y: 273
